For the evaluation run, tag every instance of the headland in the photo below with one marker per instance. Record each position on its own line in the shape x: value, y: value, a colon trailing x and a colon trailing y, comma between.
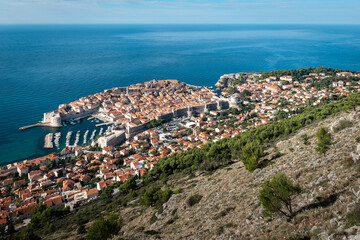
x: 129, y: 109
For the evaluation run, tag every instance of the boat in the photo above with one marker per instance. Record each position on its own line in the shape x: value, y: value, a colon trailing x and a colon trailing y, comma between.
x: 68, y: 136
x: 56, y: 139
x: 93, y: 135
x: 77, y: 138
x: 85, y: 136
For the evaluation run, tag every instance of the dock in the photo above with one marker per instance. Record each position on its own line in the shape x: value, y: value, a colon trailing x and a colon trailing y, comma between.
x: 103, y: 124
x: 48, y: 140
x: 30, y: 126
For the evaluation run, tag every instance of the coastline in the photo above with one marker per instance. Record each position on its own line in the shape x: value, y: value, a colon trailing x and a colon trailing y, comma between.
x: 8, y: 166
x: 106, y: 121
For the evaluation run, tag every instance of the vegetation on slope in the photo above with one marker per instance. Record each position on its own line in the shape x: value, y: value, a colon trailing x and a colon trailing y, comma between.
x: 246, y: 146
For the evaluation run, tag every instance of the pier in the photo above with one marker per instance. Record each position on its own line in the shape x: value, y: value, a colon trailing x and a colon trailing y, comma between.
x: 48, y: 141
x: 103, y: 124
x: 31, y: 126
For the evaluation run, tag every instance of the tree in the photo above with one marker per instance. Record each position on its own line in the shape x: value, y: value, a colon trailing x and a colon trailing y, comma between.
x: 252, y: 151
x: 324, y: 140
x: 98, y: 230
x: 27, y: 234
x: 154, y: 195
x: 276, y: 196
x: 81, y: 229
x: 128, y: 185
x: 11, y: 228
x: 151, y: 196
x: 353, y: 100
x: 106, y: 195
x: 104, y: 228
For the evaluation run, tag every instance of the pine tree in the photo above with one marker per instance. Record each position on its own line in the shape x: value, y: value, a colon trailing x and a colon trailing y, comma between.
x: 276, y: 196
x: 353, y: 100
x: 324, y: 140
x: 251, y: 153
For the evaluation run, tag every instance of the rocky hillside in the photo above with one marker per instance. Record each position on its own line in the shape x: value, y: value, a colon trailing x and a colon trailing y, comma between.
x: 225, y: 205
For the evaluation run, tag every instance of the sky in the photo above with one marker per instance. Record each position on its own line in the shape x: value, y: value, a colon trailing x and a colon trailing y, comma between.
x: 180, y: 11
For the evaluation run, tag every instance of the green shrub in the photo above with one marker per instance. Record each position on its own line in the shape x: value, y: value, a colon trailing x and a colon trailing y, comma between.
x: 345, y: 124
x: 299, y: 237
x: 223, y: 213
x: 179, y: 190
x: 151, y: 232
x: 132, y: 193
x: 194, y: 200
x: 81, y: 229
x: 277, y: 154
x: 104, y: 228
x: 353, y: 217
x: 154, y: 195
x: 153, y: 218
x: 305, y: 139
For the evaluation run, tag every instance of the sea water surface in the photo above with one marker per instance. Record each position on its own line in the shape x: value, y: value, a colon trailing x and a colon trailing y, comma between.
x: 42, y: 66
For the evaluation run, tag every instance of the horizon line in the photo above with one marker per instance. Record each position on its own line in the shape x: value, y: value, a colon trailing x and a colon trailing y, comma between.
x: 179, y: 23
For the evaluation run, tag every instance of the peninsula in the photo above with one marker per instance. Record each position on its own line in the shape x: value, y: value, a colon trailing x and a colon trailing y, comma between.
x: 130, y: 109
x: 164, y: 127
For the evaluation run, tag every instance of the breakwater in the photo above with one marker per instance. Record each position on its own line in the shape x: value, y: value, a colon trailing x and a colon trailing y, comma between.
x: 48, y: 141
x: 31, y: 126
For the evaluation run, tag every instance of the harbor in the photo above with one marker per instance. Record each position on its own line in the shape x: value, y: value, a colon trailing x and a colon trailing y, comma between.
x: 72, y: 138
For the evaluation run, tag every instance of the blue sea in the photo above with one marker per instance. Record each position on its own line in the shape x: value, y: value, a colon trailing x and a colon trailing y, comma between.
x: 42, y: 66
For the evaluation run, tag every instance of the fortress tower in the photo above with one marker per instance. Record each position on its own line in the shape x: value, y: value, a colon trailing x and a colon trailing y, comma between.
x: 234, y: 100
x: 52, y: 119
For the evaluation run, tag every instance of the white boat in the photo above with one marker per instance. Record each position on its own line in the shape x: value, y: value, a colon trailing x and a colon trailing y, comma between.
x: 56, y: 139
x: 68, y: 136
x: 77, y: 138
x: 93, y: 135
x: 85, y: 136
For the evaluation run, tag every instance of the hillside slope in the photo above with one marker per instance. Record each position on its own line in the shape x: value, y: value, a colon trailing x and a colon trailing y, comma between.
x: 229, y: 207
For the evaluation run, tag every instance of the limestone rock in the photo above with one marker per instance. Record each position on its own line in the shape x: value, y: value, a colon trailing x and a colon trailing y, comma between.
x: 314, y: 230
x: 335, y: 127
x: 333, y: 223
